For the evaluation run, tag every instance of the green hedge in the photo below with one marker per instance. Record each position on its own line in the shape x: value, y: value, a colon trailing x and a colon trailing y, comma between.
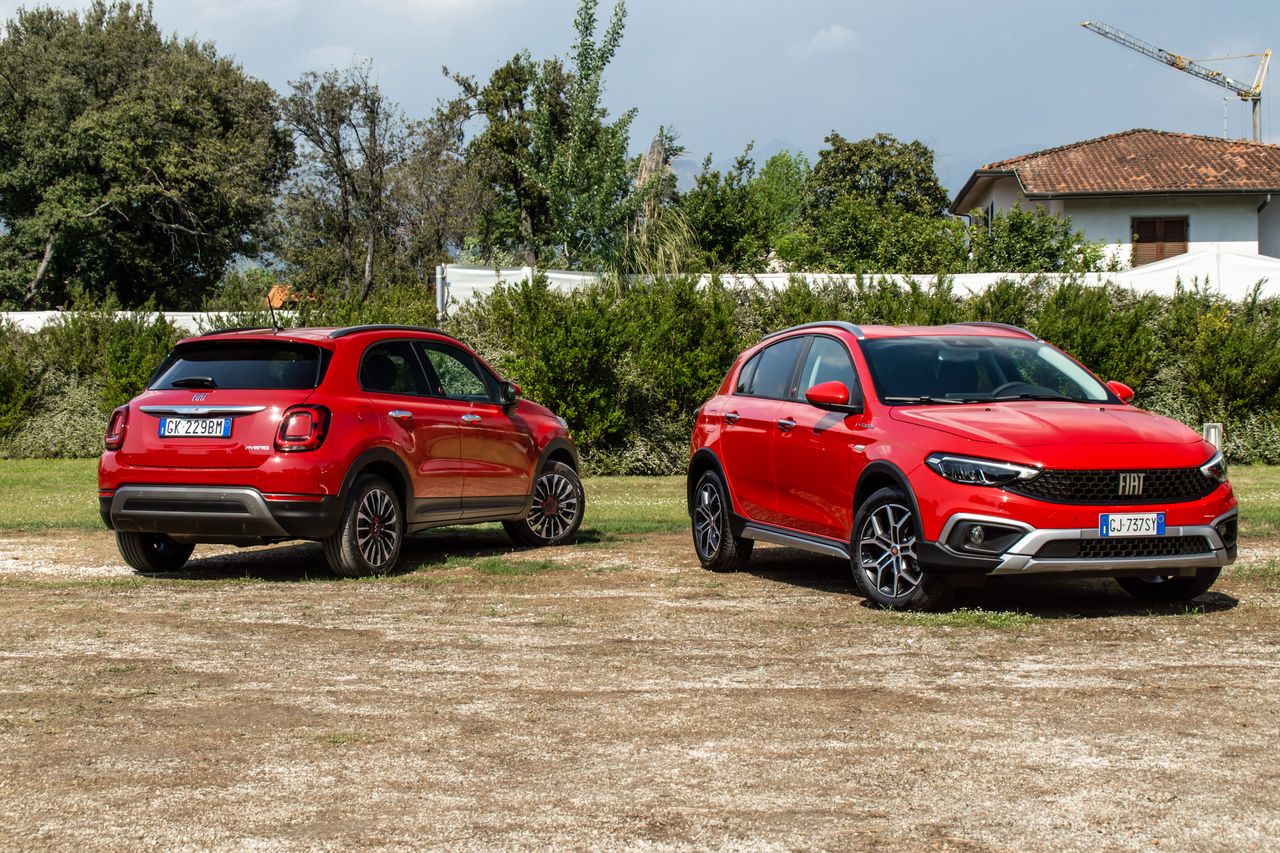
x: 628, y: 363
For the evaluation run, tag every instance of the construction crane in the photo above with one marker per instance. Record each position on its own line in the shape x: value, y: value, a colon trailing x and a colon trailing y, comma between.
x: 1245, y: 92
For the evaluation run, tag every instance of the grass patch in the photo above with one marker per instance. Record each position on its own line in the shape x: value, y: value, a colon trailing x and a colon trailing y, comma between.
x: 506, y: 566
x: 634, y: 504
x: 43, y: 494
x: 998, y: 620
x: 1265, y: 571
x: 1257, y: 487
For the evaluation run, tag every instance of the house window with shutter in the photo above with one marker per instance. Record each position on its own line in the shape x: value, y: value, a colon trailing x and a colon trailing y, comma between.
x: 1155, y: 239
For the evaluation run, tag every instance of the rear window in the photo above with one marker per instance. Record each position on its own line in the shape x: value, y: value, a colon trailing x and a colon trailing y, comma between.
x: 269, y: 365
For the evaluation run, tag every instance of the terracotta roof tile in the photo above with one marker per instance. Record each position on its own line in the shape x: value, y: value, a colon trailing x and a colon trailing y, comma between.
x: 1141, y: 161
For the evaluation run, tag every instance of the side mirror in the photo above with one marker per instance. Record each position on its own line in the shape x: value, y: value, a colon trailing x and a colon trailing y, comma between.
x: 507, y: 394
x: 1124, y: 392
x: 833, y: 396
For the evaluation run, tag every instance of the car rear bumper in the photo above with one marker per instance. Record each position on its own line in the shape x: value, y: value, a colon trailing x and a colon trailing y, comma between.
x: 234, y: 514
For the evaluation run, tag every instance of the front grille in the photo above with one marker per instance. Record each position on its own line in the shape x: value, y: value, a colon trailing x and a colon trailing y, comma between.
x: 1126, y: 548
x: 1100, y: 488
x: 223, y: 507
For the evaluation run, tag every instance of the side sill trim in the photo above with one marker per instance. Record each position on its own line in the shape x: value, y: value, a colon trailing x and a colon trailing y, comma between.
x: 794, y: 540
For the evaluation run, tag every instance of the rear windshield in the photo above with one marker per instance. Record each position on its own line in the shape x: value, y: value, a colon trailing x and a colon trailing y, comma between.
x: 271, y: 365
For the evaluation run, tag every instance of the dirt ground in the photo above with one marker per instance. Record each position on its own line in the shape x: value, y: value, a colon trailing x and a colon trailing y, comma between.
x: 620, y: 698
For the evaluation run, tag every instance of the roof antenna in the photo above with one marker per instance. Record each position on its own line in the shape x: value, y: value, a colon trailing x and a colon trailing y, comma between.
x: 275, y: 324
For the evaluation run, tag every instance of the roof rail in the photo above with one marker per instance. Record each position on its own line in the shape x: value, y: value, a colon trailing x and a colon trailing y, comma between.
x: 856, y: 331
x: 237, y: 329
x: 1006, y: 326
x: 383, y: 327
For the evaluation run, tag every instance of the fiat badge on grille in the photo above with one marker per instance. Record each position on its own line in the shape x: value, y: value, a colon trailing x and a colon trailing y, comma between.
x: 1131, y: 484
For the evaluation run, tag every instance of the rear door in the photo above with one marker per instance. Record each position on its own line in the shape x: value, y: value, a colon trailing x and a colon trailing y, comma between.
x: 424, y: 426
x: 751, y: 428
x: 498, y: 449
x: 217, y: 403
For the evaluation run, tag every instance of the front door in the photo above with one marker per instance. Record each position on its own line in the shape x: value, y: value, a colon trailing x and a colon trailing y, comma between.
x: 498, y: 451
x: 820, y: 454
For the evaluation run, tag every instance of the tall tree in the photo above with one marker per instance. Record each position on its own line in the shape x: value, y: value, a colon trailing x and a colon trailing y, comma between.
x: 352, y: 139
x: 881, y: 170
x: 728, y: 217
x: 130, y: 163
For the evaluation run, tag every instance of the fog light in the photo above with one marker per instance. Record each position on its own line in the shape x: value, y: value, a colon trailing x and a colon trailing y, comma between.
x: 977, y: 535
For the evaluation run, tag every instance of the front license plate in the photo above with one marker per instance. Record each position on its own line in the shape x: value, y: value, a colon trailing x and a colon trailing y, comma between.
x: 195, y: 427
x: 1131, y: 524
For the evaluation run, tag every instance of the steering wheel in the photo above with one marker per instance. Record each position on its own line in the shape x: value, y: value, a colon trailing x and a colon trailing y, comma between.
x: 1026, y: 388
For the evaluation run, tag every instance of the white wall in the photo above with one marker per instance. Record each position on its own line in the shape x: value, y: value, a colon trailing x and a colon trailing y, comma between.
x: 1226, y: 223
x: 1269, y: 229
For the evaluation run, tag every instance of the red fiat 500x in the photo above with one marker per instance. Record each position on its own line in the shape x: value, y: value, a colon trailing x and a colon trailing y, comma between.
x: 932, y: 457
x: 353, y: 437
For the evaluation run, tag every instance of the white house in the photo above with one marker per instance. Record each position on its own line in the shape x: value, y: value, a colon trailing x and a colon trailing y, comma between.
x: 1148, y: 195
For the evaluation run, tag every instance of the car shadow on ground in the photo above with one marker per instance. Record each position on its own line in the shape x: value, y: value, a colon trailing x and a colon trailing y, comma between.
x: 296, y: 562
x: 1042, y: 596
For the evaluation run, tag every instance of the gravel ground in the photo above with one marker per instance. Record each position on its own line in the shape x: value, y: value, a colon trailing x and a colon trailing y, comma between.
x: 619, y: 697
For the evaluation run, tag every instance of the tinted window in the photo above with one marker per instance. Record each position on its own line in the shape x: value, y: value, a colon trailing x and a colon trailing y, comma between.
x: 745, y: 375
x: 272, y: 365
x: 456, y: 375
x: 772, y: 377
x: 828, y: 361
x: 392, y: 368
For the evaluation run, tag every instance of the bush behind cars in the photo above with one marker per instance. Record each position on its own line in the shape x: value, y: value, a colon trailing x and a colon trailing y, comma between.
x: 627, y: 363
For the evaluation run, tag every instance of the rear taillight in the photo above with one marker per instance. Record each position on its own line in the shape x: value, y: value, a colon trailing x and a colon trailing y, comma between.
x: 302, y: 428
x: 114, y: 439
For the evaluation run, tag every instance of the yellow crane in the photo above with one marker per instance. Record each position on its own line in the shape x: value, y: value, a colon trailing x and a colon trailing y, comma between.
x: 1245, y: 92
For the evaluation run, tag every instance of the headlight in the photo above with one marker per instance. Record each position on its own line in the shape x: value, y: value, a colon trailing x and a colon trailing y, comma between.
x: 563, y: 423
x: 979, y: 472
x: 1216, y: 468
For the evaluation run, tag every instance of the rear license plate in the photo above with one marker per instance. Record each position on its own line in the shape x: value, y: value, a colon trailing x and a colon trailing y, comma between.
x: 195, y: 427
x: 1131, y: 524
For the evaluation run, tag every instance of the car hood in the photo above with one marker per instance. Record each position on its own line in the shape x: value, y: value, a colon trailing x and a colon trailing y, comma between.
x: 1038, y: 424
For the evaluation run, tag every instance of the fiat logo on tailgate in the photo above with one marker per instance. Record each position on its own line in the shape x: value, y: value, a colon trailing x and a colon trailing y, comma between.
x: 1131, y: 484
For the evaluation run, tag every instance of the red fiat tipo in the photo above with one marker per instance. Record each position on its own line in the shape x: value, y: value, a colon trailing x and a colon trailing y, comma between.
x: 353, y: 437
x: 932, y: 457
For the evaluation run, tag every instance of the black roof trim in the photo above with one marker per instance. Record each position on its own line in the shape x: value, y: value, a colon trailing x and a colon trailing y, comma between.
x: 384, y: 327
x: 237, y: 329
x: 856, y: 331
x: 1006, y: 326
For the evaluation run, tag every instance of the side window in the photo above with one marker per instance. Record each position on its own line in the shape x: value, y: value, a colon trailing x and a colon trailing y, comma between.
x: 747, y: 373
x: 392, y: 368
x: 828, y: 361
x: 456, y: 374
x: 772, y: 377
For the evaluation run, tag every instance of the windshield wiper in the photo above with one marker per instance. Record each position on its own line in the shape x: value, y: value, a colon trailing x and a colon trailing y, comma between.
x: 194, y: 382
x: 1037, y: 397
x: 926, y: 399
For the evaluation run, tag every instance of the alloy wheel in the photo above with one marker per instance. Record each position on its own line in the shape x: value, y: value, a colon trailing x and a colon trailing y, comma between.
x: 555, y: 506
x: 706, y: 520
x: 377, y: 527
x: 886, y: 550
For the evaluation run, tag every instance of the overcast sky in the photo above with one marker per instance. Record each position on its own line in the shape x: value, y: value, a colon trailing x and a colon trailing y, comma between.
x: 976, y: 80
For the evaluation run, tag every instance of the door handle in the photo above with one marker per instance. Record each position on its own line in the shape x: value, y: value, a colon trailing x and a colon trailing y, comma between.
x: 400, y: 414
x: 731, y: 417
x: 470, y: 418
x: 786, y: 424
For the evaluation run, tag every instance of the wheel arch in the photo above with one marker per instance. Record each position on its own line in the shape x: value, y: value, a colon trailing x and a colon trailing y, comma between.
x: 882, y: 474
x: 559, y: 450
x: 386, y: 464
x: 703, y: 461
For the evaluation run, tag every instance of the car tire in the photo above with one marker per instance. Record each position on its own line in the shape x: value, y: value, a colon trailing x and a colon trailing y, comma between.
x: 368, y: 539
x: 556, y: 512
x: 718, y: 549
x: 152, y: 553
x: 882, y: 555
x: 1164, y: 588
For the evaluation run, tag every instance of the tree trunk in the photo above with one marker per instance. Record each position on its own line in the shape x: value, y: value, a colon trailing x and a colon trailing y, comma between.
x: 368, y: 263
x: 526, y: 227
x: 34, y: 287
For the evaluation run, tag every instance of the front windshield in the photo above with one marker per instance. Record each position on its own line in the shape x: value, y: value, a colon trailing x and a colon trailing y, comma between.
x: 976, y: 369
